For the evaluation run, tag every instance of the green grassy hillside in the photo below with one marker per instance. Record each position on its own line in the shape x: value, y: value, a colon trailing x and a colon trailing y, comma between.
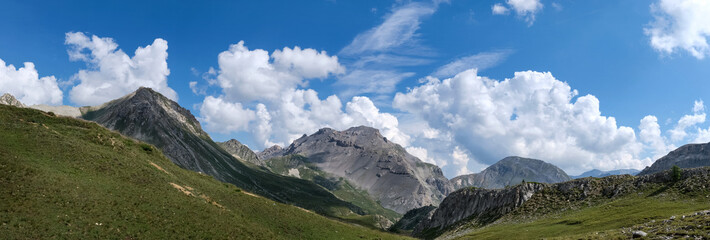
x: 67, y: 178
x: 639, y: 206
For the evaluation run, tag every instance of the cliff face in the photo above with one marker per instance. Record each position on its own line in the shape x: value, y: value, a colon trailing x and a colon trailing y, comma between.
x: 398, y: 180
x: 511, y: 171
x: 412, y: 218
x: 475, y: 204
x: 686, y: 156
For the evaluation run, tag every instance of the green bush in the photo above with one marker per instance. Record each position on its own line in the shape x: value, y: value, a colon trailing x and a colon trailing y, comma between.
x: 675, y: 173
x: 147, y: 148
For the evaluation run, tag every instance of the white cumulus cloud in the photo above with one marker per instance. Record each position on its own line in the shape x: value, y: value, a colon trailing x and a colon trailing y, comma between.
x: 688, y: 121
x: 526, y: 9
x: 222, y: 116
x: 460, y: 160
x: 532, y: 115
x: 247, y: 75
x: 280, y: 111
x: 650, y: 135
x: 680, y: 25
x: 499, y: 9
x: 112, y: 73
x: 25, y: 84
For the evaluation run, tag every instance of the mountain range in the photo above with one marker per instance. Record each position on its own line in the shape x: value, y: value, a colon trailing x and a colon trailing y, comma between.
x: 148, y: 116
x: 355, y: 175
x: 600, y: 173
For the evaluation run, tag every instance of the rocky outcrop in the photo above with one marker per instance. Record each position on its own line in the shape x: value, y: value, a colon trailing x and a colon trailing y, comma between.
x: 271, y: 152
x: 584, y: 192
x: 413, y: 217
x: 511, y: 171
x: 67, y: 111
x: 686, y: 156
x: 475, y: 205
x: 398, y: 180
x: 241, y: 152
x: 148, y: 116
x: 470, y: 208
x: 599, y: 173
x: 8, y: 99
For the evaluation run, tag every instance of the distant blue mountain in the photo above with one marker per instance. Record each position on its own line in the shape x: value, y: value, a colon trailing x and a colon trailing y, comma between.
x: 600, y: 173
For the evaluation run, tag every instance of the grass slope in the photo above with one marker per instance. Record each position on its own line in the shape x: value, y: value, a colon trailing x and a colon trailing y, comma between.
x: 600, y: 218
x: 338, y: 186
x: 67, y: 178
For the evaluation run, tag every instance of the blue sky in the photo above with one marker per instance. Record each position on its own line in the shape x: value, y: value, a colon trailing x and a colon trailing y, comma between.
x: 377, y: 50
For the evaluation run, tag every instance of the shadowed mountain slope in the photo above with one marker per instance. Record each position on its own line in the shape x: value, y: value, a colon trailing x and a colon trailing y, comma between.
x: 149, y: 116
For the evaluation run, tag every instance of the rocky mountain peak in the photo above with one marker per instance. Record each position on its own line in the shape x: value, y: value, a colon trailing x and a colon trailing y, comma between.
x: 362, y: 131
x: 686, y: 156
x: 149, y: 116
x: 357, y: 137
x: 365, y: 158
x: 8, y: 99
x: 273, y: 151
x: 148, y: 105
x: 510, y: 171
x: 234, y: 142
x: 521, y: 161
x: 241, y: 152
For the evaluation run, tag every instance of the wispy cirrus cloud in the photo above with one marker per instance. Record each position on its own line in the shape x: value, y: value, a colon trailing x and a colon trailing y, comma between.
x: 398, y: 29
x: 377, y: 54
x: 478, y: 61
